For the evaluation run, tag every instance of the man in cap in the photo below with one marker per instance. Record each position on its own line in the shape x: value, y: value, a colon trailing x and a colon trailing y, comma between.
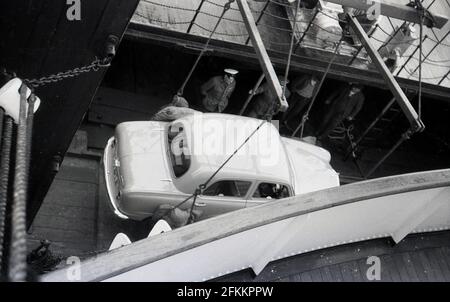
x: 217, y: 91
x: 303, y: 88
x: 265, y: 102
x: 346, y: 104
x: 179, y: 107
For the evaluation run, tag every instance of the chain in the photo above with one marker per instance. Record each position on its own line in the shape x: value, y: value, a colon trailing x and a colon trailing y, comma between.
x: 95, y: 65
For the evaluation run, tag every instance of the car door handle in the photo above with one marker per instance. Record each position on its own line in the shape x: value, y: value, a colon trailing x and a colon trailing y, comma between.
x: 200, y: 204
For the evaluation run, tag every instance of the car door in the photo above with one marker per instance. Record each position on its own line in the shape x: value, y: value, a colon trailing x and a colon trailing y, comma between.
x: 223, y: 196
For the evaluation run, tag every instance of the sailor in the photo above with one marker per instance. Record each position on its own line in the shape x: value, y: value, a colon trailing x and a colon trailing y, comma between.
x: 303, y: 88
x: 217, y: 91
x: 346, y: 104
x: 367, y: 20
x: 266, y: 101
x: 178, y: 108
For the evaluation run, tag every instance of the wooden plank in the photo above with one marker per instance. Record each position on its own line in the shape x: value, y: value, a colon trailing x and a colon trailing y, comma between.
x: 387, y: 263
x: 421, y: 271
x: 336, y: 274
x: 326, y: 274
x: 108, y: 115
x: 431, y: 271
x: 402, y: 270
x: 443, y: 264
x: 305, y: 277
x: 263, y: 57
x: 398, y: 93
x: 393, y: 10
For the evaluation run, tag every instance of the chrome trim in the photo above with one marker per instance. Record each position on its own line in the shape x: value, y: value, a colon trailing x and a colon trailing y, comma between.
x: 107, y: 164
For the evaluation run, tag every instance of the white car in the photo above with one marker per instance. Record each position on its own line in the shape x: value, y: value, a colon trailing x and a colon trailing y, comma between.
x: 148, y: 164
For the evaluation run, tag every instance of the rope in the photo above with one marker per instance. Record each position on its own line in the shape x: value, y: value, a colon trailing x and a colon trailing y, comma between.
x: 316, y: 92
x: 220, y: 5
x: 291, y: 48
x: 225, y: 9
x: 412, y: 74
x: 18, y: 247
x: 220, y: 33
x: 203, y: 186
x: 4, y: 180
x: 420, y: 12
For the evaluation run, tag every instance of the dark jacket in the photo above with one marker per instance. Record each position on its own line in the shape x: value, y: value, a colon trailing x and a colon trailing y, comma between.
x: 216, y: 92
x: 302, y: 86
x: 346, y: 105
x: 265, y: 99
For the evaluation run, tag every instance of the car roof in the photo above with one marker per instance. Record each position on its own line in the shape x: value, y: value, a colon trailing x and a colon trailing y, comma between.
x: 213, y: 137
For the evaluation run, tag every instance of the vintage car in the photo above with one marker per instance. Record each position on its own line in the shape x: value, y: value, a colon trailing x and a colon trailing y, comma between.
x: 148, y: 164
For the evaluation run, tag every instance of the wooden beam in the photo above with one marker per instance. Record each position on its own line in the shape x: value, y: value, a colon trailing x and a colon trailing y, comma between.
x: 300, y: 63
x: 393, y: 10
x: 398, y: 93
x: 263, y: 57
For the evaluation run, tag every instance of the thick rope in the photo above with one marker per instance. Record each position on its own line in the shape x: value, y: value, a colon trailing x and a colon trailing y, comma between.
x: 291, y: 48
x: 421, y: 15
x: 4, y: 179
x: 18, y: 247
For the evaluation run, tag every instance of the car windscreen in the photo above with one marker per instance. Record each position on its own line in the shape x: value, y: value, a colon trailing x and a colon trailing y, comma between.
x: 178, y: 149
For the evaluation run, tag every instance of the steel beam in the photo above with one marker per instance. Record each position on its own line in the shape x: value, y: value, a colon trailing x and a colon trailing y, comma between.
x: 261, y: 52
x: 396, y: 11
x: 405, y: 105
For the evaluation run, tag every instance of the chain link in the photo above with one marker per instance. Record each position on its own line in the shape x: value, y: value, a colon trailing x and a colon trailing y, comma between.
x: 95, y: 65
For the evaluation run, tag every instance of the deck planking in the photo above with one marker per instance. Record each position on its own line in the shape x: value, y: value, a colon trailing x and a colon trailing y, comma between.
x: 412, y: 260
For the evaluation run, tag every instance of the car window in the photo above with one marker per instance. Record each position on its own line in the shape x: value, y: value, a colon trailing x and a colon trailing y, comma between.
x: 178, y: 149
x: 271, y: 191
x: 230, y: 188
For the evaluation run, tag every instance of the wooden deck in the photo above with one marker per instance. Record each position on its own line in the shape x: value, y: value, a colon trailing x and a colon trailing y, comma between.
x: 418, y: 258
x: 76, y: 216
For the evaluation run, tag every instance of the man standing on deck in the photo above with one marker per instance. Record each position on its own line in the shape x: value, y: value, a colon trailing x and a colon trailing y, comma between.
x: 303, y: 88
x: 346, y: 104
x: 217, y: 91
x: 265, y: 103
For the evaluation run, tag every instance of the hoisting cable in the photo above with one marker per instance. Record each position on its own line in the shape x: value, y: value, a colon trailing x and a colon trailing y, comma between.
x: 291, y: 48
x: 421, y: 12
x: 18, y: 247
x: 203, y: 186
x: 4, y: 180
x: 206, y: 183
x: 226, y: 7
x: 316, y: 91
